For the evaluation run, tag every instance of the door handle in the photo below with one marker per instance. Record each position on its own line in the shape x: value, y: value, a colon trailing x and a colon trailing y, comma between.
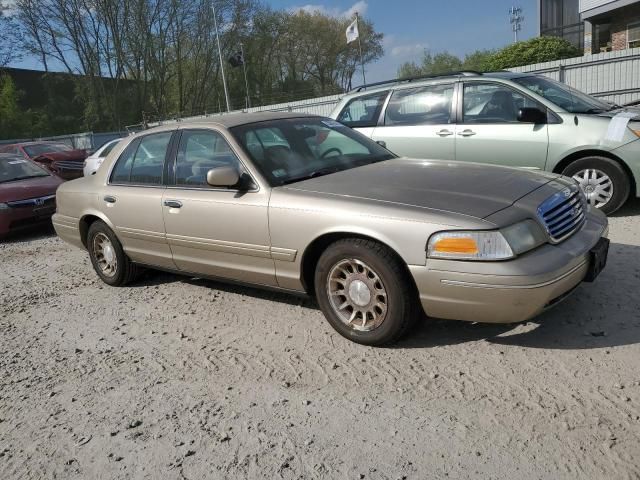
x: 172, y: 203
x: 109, y: 199
x: 444, y: 133
x: 467, y: 133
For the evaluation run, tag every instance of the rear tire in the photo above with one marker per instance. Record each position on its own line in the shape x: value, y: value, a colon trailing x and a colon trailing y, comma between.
x: 107, y: 256
x: 365, y: 291
x: 604, y: 182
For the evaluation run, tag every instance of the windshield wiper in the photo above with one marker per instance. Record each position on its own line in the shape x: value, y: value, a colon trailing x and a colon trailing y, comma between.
x: 315, y: 173
x: 25, y: 177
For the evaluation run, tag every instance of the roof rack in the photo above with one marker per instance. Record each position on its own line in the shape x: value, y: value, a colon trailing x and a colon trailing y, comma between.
x: 461, y: 73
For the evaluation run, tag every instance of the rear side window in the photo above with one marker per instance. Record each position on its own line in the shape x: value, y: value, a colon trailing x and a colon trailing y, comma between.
x: 363, y: 111
x: 430, y: 105
x: 143, y: 161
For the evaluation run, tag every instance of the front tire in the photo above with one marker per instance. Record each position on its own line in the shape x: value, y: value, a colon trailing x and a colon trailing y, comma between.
x: 107, y: 256
x: 365, y: 292
x: 603, y: 181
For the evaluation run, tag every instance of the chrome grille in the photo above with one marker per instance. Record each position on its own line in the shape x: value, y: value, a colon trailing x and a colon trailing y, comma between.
x: 33, y: 202
x: 563, y: 213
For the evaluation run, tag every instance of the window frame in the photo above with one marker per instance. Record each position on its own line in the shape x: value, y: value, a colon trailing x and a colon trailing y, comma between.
x: 172, y: 165
x: 378, y: 114
x: 635, y: 24
x: 135, y: 143
x: 452, y: 111
x: 460, y: 109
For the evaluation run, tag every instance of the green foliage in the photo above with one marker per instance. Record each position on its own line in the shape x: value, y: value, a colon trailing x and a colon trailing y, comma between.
x: 536, y: 50
x: 478, y: 60
x: 12, y: 120
x: 431, y: 65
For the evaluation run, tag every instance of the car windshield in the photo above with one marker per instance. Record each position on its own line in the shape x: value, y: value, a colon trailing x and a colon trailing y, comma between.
x: 291, y: 150
x: 16, y: 168
x: 568, y: 98
x: 41, y: 148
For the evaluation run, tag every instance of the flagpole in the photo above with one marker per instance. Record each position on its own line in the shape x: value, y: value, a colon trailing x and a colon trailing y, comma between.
x: 224, y: 80
x: 364, y: 79
x: 246, y: 83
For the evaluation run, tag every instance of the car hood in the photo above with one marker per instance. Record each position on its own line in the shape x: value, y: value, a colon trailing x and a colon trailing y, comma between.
x: 457, y: 187
x: 71, y: 155
x: 28, y: 188
x: 615, y: 112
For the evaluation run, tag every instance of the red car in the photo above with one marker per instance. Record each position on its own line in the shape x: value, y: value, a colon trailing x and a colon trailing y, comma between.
x: 27, y: 194
x: 58, y: 158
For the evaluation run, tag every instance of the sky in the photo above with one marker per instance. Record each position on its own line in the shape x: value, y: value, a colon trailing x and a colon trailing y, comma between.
x: 410, y: 26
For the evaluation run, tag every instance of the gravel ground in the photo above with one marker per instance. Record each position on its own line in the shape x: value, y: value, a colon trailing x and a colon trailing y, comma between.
x: 183, y: 378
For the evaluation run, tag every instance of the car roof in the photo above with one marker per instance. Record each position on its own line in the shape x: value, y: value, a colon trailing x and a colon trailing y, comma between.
x: 230, y: 120
x: 432, y: 79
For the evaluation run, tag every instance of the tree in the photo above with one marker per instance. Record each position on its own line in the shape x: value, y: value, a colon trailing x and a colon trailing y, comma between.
x: 478, y: 60
x: 439, y: 63
x: 12, y: 121
x: 536, y: 50
x: 9, y: 37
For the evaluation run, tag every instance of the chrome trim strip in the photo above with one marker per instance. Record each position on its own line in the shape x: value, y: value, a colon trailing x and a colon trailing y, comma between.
x: 263, y: 251
x: 138, y: 234
x: 283, y: 254
x: 458, y: 283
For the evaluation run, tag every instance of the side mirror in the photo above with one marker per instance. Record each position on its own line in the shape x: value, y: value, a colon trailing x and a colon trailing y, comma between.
x: 223, y: 177
x: 382, y: 143
x: 532, y: 115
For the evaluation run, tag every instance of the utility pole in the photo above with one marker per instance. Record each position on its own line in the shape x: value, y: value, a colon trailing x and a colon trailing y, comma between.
x: 516, y: 19
x: 224, y: 79
x: 364, y: 79
x: 244, y: 68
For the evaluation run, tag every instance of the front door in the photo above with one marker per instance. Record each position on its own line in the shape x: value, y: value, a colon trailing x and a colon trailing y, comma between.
x: 418, y: 122
x: 219, y: 232
x: 489, y: 130
x: 132, y: 200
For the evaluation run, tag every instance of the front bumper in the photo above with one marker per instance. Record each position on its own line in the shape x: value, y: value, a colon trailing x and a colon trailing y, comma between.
x: 509, y: 291
x: 17, y: 219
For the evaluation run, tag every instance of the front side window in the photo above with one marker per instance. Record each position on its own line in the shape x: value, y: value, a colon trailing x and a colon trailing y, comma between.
x: 292, y: 150
x: 570, y: 99
x: 633, y: 35
x: 429, y: 105
x: 107, y: 150
x: 493, y: 103
x: 142, y: 162
x: 199, y: 152
x: 363, y: 111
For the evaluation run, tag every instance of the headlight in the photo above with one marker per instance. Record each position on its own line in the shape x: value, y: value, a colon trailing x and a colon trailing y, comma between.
x: 3, y: 207
x: 486, y: 245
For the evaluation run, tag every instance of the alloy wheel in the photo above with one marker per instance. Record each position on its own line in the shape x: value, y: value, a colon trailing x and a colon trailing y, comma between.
x: 105, y: 254
x: 357, y: 294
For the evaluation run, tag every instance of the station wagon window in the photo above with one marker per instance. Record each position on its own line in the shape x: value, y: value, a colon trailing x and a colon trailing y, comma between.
x: 493, y: 103
x: 363, y: 111
x: 142, y: 162
x: 199, y: 152
x: 430, y: 105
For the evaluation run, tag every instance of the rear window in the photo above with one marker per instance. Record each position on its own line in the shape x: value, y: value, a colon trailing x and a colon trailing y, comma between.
x: 363, y: 111
x: 42, y: 148
x: 142, y: 163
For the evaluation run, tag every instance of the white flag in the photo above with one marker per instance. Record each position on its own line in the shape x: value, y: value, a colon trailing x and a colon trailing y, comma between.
x: 352, y: 31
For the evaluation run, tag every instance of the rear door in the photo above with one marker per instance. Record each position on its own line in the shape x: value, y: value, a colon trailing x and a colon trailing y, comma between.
x: 220, y: 232
x: 419, y: 122
x: 132, y: 199
x: 488, y: 129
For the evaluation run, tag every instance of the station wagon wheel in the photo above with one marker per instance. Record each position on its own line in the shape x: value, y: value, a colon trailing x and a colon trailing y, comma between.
x: 107, y: 256
x: 358, y: 295
x: 365, y: 291
x: 604, y: 181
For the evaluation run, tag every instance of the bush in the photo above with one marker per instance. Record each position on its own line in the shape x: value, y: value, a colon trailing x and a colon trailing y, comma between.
x: 536, y: 50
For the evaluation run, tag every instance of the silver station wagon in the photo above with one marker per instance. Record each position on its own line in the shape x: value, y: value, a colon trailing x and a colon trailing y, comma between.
x: 503, y: 118
x: 304, y: 204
